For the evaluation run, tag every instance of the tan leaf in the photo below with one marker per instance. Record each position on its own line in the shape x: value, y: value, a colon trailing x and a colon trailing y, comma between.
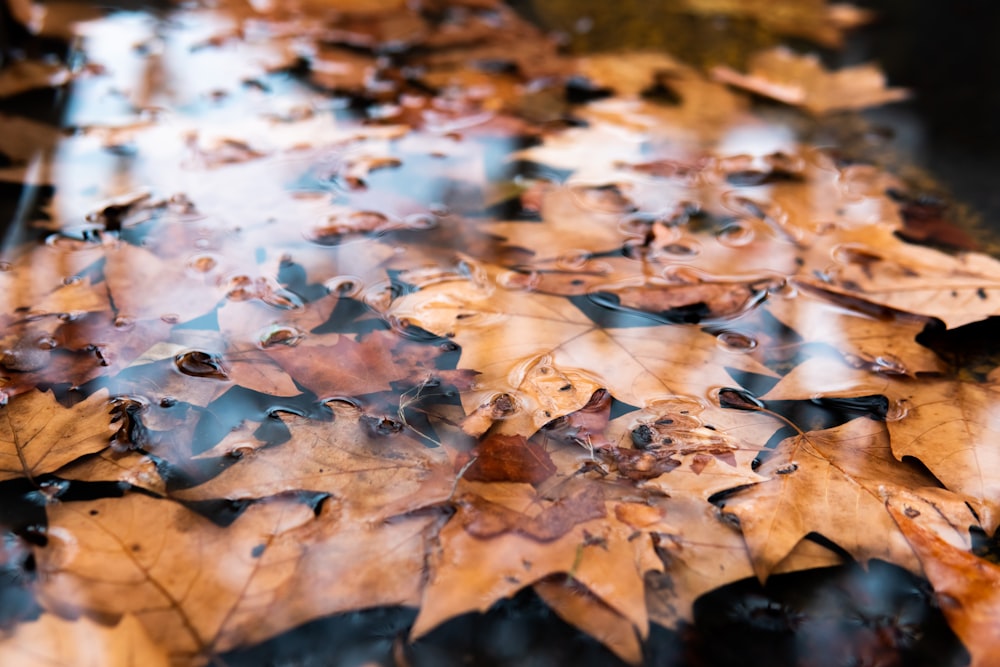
x: 831, y: 482
x: 575, y: 605
x: 967, y: 587
x: 534, y: 348
x: 957, y: 290
x: 380, y: 474
x: 803, y: 81
x: 56, y: 642
x: 38, y: 435
x: 155, y: 559
x: 949, y: 425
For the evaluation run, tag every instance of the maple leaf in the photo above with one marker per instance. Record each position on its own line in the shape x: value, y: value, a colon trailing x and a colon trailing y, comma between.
x: 38, y: 435
x: 51, y: 640
x: 957, y: 290
x: 949, y: 425
x: 378, y: 474
x: 548, y: 357
x: 843, y: 472
x: 965, y: 584
x: 801, y: 80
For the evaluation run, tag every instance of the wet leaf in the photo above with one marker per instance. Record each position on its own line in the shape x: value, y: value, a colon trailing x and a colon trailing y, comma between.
x: 803, y: 82
x: 549, y: 357
x: 966, y: 585
x: 38, y: 435
x: 81, y: 642
x: 831, y: 482
x: 948, y: 425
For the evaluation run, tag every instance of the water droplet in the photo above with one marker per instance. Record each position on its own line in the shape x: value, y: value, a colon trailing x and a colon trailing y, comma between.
x: 573, y: 260
x: 682, y: 248
x: 123, y: 323
x: 202, y: 263
x: 736, y: 234
x: 167, y: 401
x: 279, y: 297
x: 525, y: 281
x: 241, y: 288
x: 72, y: 280
x: 333, y: 229
x: 345, y: 286
x: 198, y: 363
x: 170, y: 318
x: 737, y: 342
x: 897, y: 410
x: 421, y: 221
x: 278, y: 334
x: 888, y: 365
x: 52, y: 489
x: 46, y: 343
x: 911, y: 512
x: 786, y: 469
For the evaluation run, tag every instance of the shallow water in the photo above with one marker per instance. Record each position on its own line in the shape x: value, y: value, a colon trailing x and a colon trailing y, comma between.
x: 285, y: 287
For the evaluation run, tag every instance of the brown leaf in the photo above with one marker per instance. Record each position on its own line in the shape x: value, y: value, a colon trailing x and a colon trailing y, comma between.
x: 948, y: 425
x: 535, y: 347
x: 967, y: 587
x: 508, y: 458
x: 802, y: 81
x: 578, y: 607
x: 154, y: 559
x: 38, y: 435
x: 831, y: 482
x: 54, y: 641
x: 379, y: 474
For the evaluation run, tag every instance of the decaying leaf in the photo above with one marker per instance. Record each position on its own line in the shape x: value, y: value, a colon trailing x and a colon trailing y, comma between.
x: 948, y: 425
x: 966, y: 585
x: 802, y: 81
x: 831, y: 483
x: 81, y: 642
x: 346, y: 305
x: 38, y: 435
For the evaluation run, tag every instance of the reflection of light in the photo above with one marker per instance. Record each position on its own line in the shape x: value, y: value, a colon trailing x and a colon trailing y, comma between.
x: 757, y: 140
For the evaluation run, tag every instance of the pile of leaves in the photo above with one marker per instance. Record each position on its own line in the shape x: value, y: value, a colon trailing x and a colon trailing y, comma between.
x: 339, y: 305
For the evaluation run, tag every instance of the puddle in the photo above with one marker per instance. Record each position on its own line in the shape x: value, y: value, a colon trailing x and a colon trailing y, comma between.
x: 302, y: 320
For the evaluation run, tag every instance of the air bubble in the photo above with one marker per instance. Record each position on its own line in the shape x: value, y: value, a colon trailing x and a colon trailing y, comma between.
x: 525, y: 281
x: 737, y: 342
x: 736, y: 235
x: 72, y: 280
x: 573, y: 260
x: 202, y: 263
x: 333, y: 230
x: 682, y: 248
x: 421, y: 221
x: 198, y: 363
x: 46, y: 343
x: 170, y: 318
x: 277, y: 334
x: 344, y: 286
x: 897, y: 410
x: 786, y: 469
x: 123, y: 323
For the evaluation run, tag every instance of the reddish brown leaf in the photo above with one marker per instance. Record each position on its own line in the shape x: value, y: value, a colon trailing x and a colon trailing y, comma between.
x: 509, y: 458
